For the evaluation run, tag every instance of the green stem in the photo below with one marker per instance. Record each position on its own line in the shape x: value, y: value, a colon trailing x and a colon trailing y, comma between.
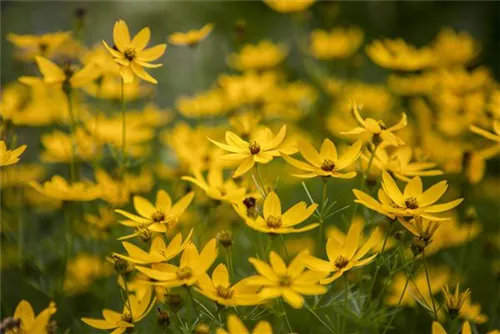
x: 72, y: 124
x: 319, y: 319
x: 261, y: 180
x: 282, y: 239
x: 193, y: 303
x: 429, y: 285
x: 345, y: 303
x: 229, y: 261
x: 321, y: 237
x: 286, y: 316
x: 124, y: 129
x: 129, y: 305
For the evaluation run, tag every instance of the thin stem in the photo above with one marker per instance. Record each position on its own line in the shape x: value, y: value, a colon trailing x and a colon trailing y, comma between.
x: 366, y: 173
x: 124, y: 129
x: 429, y: 285
x: 193, y: 302
x: 129, y: 305
x: 286, y: 316
x: 319, y: 319
x: 321, y: 229
x: 345, y: 303
x: 284, y: 245
x: 72, y: 125
x: 229, y: 261
x: 261, y: 179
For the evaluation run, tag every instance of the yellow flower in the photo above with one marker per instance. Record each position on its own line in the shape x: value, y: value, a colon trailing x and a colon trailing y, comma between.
x: 326, y: 163
x: 413, y: 85
x: 215, y: 187
x: 58, y: 147
x: 472, y: 312
x: 289, y: 6
x: 347, y: 255
x: 262, y: 56
x: 261, y: 149
x: 46, y: 45
x: 495, y: 135
x: 454, y: 302
x: 99, y: 225
x: 58, y: 188
x: 110, y: 88
x: 82, y: 270
x: 20, y: 174
x: 115, y: 192
x: 55, y: 75
x: 192, y: 37
x: 122, y: 322
x: 159, y: 251
x: 236, y: 326
x: 377, y: 130
x: 248, y: 88
x: 220, y: 290
x: 413, y: 202
x: 398, y: 55
x: 289, y: 283
x: 24, y: 320
x: 132, y: 55
x: 447, y: 43
x: 438, y: 329
x: 10, y: 157
x: 209, y: 103
x: 192, y: 267
x: 274, y: 221
x: 245, y: 123
x: 159, y: 217
x: 338, y: 44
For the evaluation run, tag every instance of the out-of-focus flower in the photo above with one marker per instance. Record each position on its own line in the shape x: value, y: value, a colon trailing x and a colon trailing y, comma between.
x: 110, y: 88
x: 236, y: 326
x: 495, y: 135
x: 82, y: 270
x: 115, y: 192
x: 151, y: 115
x: 437, y: 328
x: 192, y: 37
x: 132, y: 55
x: 245, y: 123
x: 414, y: 84
x: 248, y: 88
x: 20, y: 175
x: 398, y: 55
x: 339, y: 43
x: 10, y: 157
x: 58, y: 188
x: 289, y: 6
x: 59, y: 147
x: 326, y: 163
x: 100, y: 224
x: 210, y: 103
x: 46, y: 45
x: 139, y: 183
x: 24, y: 320
x: 454, y: 48
x: 472, y: 312
x: 257, y: 57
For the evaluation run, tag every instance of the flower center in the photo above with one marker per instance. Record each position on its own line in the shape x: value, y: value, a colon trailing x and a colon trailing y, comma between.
x: 11, y: 325
x: 382, y: 125
x: 254, y: 147
x: 224, y: 291
x: 43, y: 47
x: 274, y: 222
x: 285, y: 280
x: 328, y: 165
x: 184, y: 273
x: 127, y: 318
x: 411, y: 203
x: 129, y: 54
x: 341, y: 262
x: 158, y: 216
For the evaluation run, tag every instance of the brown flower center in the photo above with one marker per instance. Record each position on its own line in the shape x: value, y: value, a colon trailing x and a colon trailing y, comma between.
x: 129, y: 54
x: 254, y: 147
x: 184, y: 273
x: 411, y: 203
x: 285, y: 280
x: 341, y: 262
x: 328, y: 165
x: 224, y: 291
x: 127, y: 318
x: 158, y: 216
x: 274, y: 222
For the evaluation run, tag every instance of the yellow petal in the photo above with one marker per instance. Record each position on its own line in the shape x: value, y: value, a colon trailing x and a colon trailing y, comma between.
x: 144, y: 207
x: 244, y: 167
x: 293, y: 299
x: 141, y: 73
x: 272, y: 205
x: 140, y: 40
x: 50, y: 71
x: 220, y: 276
x: 121, y: 35
x: 153, y: 53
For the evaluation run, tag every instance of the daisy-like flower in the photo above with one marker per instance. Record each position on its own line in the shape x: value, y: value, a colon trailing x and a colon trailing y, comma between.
x: 454, y: 302
x: 192, y: 37
x: 24, y: 320
x: 438, y: 329
x: 287, y: 6
x: 413, y: 202
x: 58, y: 188
x: 159, y: 251
x: 377, y: 130
x: 345, y: 256
x: 46, y: 45
x: 236, y: 326
x: 192, y: 267
x: 398, y: 55
x: 290, y: 283
x: 124, y: 321
x: 132, y: 55
x: 220, y: 290
x: 326, y: 163
x: 274, y: 221
x: 495, y: 135
x: 215, y: 187
x: 10, y: 157
x: 53, y: 74
x: 156, y: 218
x: 261, y: 149
x: 423, y: 231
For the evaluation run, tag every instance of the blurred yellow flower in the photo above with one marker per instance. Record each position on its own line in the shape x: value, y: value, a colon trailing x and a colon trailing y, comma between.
x: 20, y: 174
x: 10, y: 157
x: 82, y: 270
x: 454, y: 48
x: 438, y: 329
x: 236, y: 326
x: 59, y: 147
x: 24, y: 320
x: 209, y: 103
x: 339, y: 43
x: 494, y: 136
x: 264, y: 55
x: 46, y: 45
x: 58, y: 188
x: 132, y: 55
x: 289, y: 6
x: 398, y: 55
x: 192, y: 37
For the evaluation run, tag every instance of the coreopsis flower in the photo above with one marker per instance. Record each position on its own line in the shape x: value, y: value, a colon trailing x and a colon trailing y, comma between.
x: 10, y: 157
x: 192, y: 37
x: 326, y: 163
x: 110, y: 88
x: 472, y: 312
x: 250, y: 87
x: 220, y: 290
x: 209, y: 103
x: 399, y: 164
x: 215, y: 187
x: 339, y: 43
x: 289, y: 6
x: 495, y: 135
x: 58, y: 188
x: 20, y: 175
x: 414, y: 84
x: 115, y: 192
x: 192, y: 267
x: 132, y: 55
x: 288, y: 282
x: 260, y: 149
x: 159, y: 217
x: 236, y: 326
x: 454, y: 302
x: 413, y: 202
x: 437, y: 328
x: 99, y: 224
x: 377, y: 130
x: 46, y: 45
x: 264, y: 55
x: 59, y: 147
x: 159, y: 251
x: 423, y: 231
x: 245, y: 123
x: 55, y: 75
x: 346, y: 255
x: 398, y: 55
x: 24, y: 320
x: 124, y: 321
x: 82, y: 271
x: 446, y: 44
